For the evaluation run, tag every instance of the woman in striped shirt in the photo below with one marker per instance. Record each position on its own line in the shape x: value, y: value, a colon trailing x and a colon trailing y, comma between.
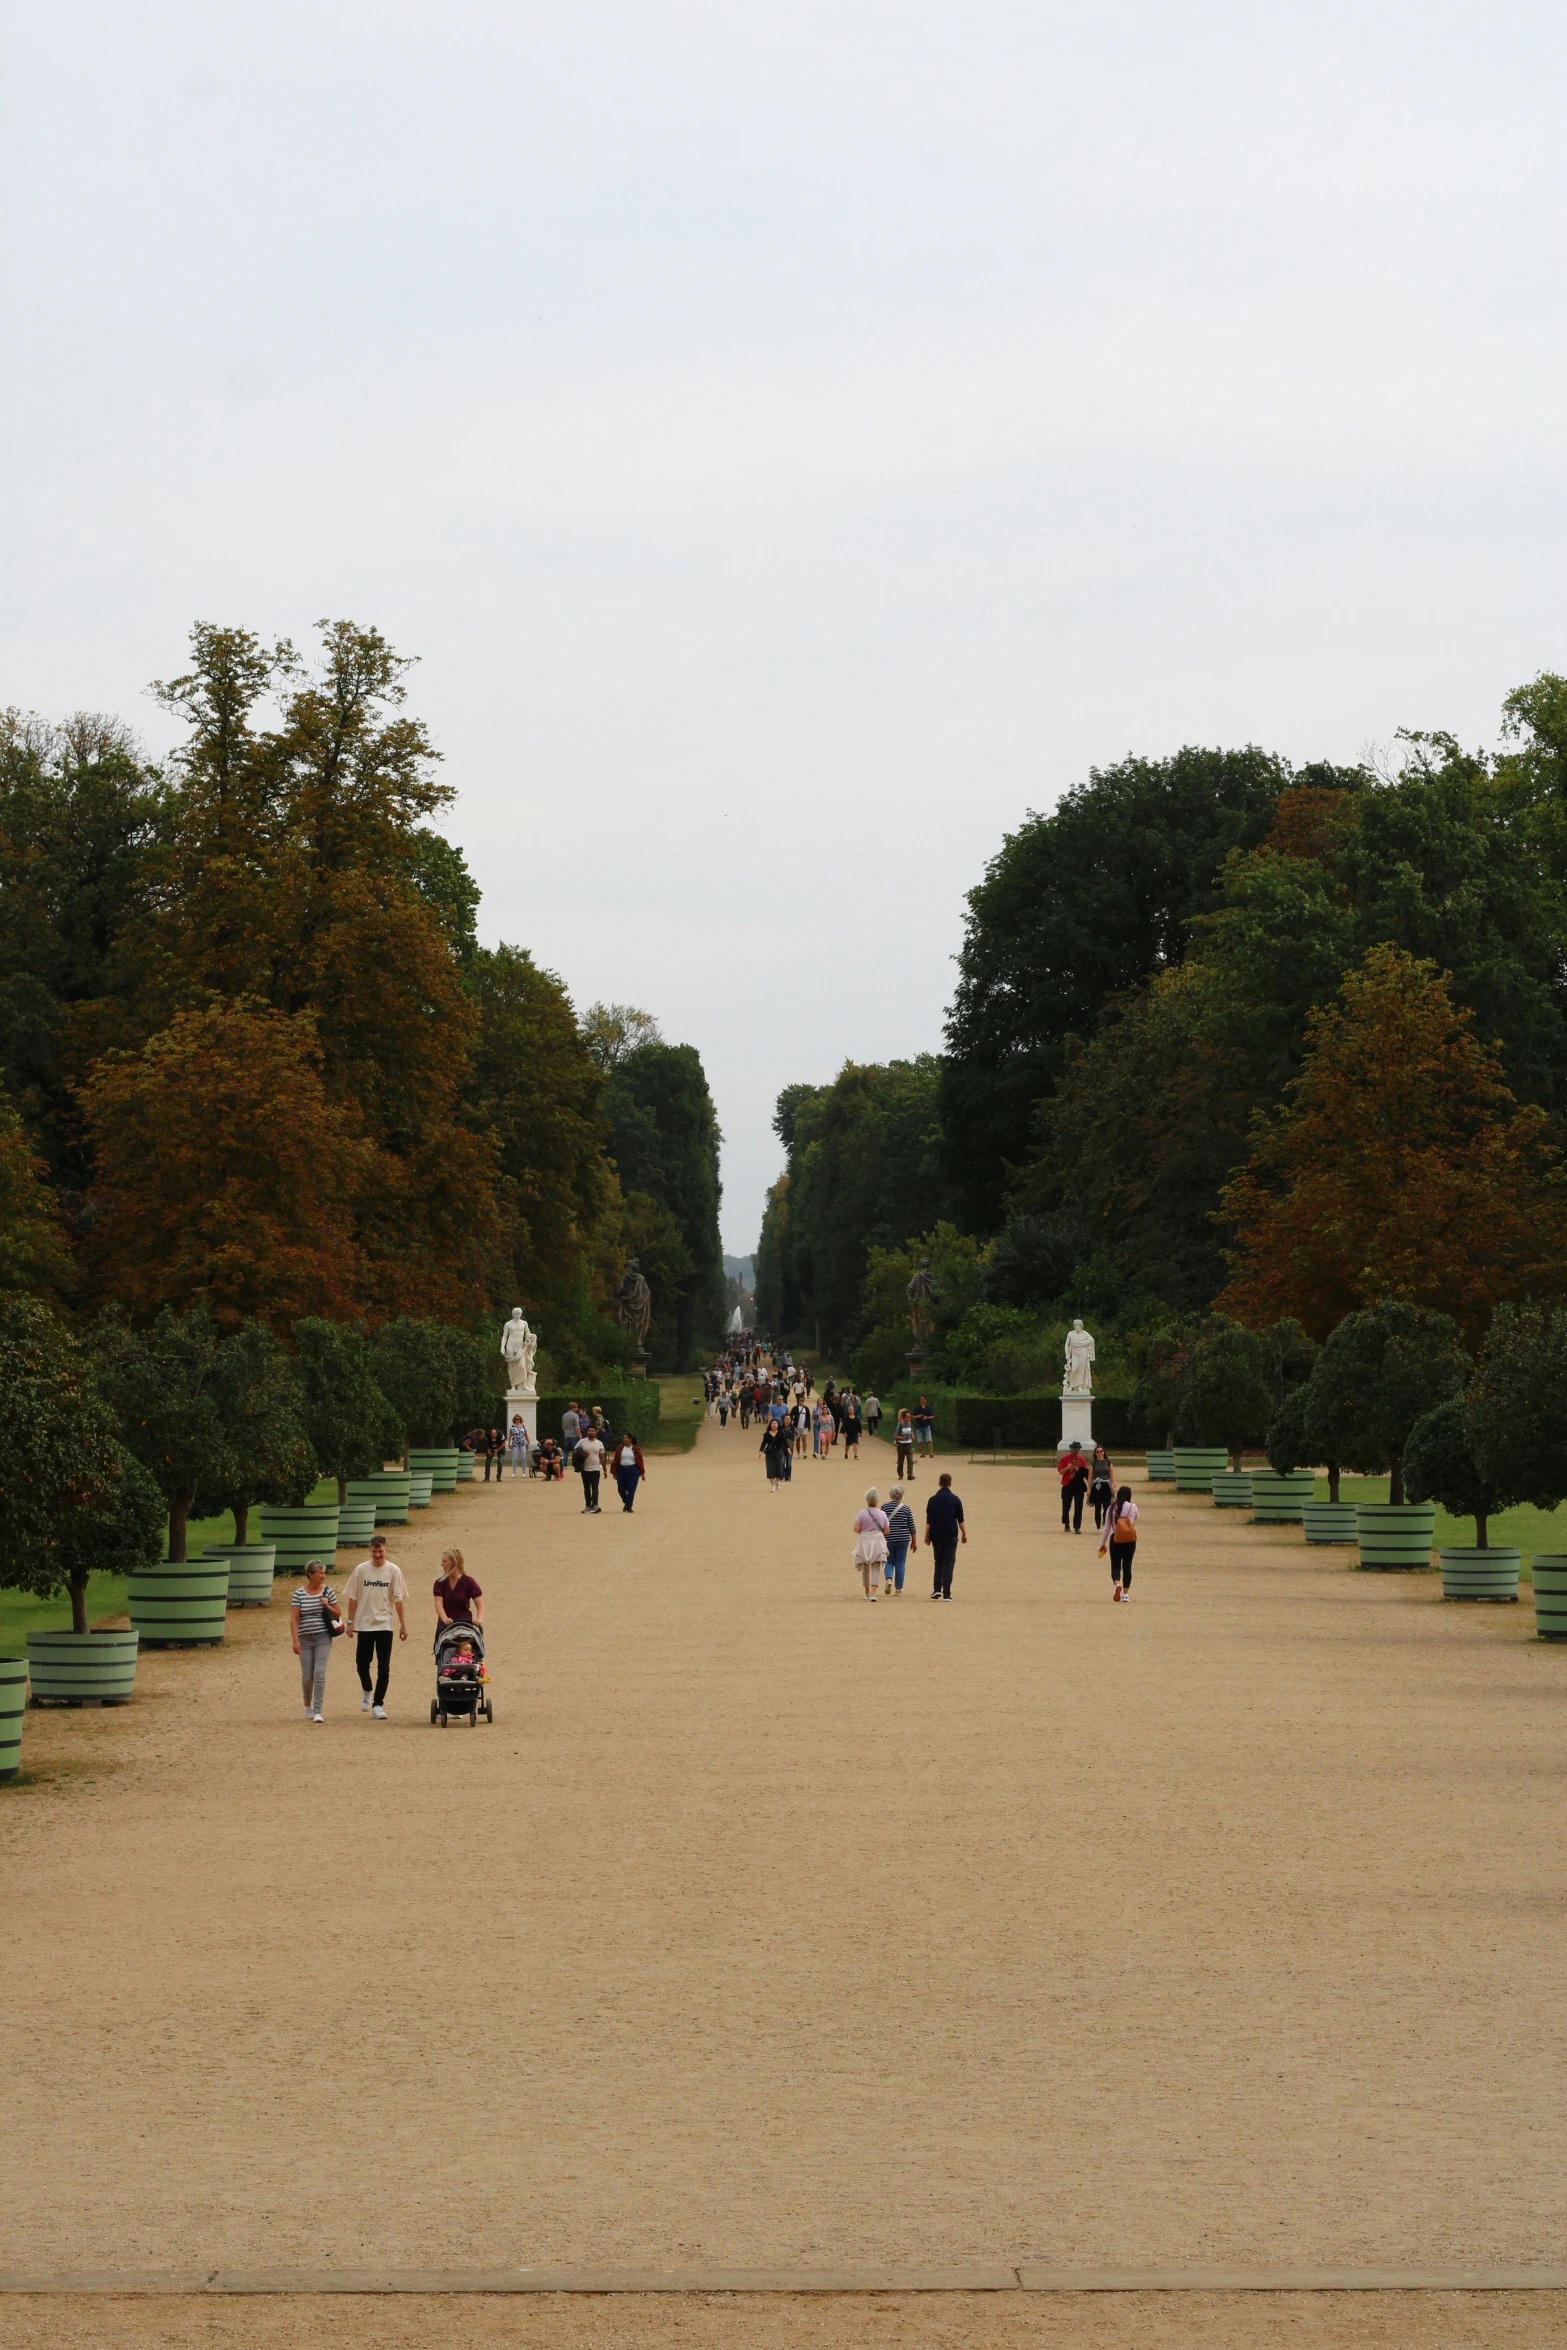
x: 308, y: 1623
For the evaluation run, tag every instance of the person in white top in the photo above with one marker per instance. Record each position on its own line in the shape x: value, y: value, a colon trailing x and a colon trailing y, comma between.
x: 1121, y: 1542
x: 373, y: 1593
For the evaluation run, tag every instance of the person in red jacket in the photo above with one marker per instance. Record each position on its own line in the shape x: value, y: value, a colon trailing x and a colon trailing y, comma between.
x: 630, y: 1469
x: 1074, y: 1484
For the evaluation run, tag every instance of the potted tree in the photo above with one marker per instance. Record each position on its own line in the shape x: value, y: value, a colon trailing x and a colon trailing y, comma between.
x: 1294, y: 1442
x: 1383, y: 1369
x: 73, y: 1500
x: 271, y: 1466
x: 1224, y: 1402
x: 1154, y: 1399
x: 416, y: 1374
x: 1279, y: 1496
x: 1516, y: 1410
x: 347, y: 1418
x: 1440, y: 1466
x: 166, y: 1384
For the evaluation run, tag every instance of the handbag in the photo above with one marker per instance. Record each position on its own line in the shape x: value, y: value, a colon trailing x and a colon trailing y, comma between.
x: 331, y: 1618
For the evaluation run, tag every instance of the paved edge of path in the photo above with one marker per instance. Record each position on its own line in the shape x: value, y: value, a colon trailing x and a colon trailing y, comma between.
x: 1022, y: 2277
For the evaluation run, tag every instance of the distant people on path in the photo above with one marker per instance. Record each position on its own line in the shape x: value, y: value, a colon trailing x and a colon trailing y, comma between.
x: 870, y: 1542
x: 902, y: 1537
x: 1072, y: 1468
x: 521, y: 1450
x: 924, y: 1419
x: 630, y: 1469
x: 944, y: 1530
x: 872, y: 1411
x: 1121, y: 1542
x: 552, y: 1467
x: 458, y: 1598
x: 570, y: 1430
x: 589, y: 1458
x: 801, y: 1416
x: 1101, y: 1484
x: 851, y: 1427
x: 374, y: 1592
x: 494, y: 1453
x: 903, y: 1438
x: 311, y: 1615
x: 821, y: 1430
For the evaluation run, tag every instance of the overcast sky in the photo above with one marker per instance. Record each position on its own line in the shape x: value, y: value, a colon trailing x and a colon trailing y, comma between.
x: 796, y: 440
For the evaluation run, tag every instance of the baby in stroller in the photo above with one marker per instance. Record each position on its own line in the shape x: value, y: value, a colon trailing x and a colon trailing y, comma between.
x: 460, y: 1677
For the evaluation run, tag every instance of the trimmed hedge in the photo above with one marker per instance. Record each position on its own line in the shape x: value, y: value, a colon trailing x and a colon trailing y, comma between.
x: 634, y: 1409
x: 1032, y: 1423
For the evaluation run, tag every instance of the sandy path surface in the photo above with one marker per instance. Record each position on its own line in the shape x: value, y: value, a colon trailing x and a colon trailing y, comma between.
x: 768, y: 1927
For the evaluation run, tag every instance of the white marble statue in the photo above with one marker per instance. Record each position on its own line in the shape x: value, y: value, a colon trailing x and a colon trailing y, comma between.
x: 519, y: 1345
x: 1079, y: 1378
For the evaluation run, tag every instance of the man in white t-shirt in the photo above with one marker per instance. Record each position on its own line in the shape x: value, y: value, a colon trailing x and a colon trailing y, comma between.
x: 590, y: 1452
x: 373, y: 1592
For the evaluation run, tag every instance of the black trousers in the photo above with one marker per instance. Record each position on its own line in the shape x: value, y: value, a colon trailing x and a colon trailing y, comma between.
x: 1072, y: 1504
x: 1101, y: 1496
x: 1121, y: 1557
x: 379, y: 1646
x: 944, y: 1549
x: 590, y: 1489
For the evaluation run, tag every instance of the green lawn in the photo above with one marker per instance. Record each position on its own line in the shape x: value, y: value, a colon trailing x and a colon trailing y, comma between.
x: 680, y: 1413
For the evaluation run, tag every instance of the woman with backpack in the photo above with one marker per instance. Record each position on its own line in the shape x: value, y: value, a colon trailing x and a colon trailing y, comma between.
x: 1121, y: 1542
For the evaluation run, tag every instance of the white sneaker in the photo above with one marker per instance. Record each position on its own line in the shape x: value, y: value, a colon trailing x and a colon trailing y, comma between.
x: 315, y: 1717
x: 364, y: 1703
x: 379, y: 1712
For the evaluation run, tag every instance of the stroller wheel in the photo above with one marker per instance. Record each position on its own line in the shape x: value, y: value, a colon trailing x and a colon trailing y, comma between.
x: 489, y: 1711
x: 443, y: 1720
x: 473, y: 1717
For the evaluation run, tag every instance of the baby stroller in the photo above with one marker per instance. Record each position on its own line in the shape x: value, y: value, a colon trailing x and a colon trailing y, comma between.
x: 462, y: 1694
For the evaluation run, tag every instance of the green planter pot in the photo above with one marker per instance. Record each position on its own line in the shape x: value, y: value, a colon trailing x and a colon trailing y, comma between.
x: 1549, y: 1570
x: 1232, y: 1492
x: 13, y: 1704
x: 1330, y: 1521
x: 251, y: 1567
x: 180, y: 1606
x: 356, y: 1515
x: 1281, y: 1501
x: 440, y: 1461
x: 389, y: 1489
x: 1395, y: 1536
x: 1161, y: 1468
x: 302, y: 1534
x: 1197, y: 1465
x: 464, y: 1468
x: 83, y: 1668
x: 1480, y: 1574
x: 419, y: 1489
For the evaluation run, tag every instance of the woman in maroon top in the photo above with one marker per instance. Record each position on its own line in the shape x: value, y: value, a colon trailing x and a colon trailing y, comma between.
x: 458, y: 1598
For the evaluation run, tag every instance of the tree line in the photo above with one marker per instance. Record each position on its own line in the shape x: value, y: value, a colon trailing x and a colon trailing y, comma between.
x: 1229, y: 1035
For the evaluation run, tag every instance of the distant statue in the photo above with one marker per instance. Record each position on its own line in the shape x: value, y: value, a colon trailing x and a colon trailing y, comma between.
x: 634, y: 1304
x: 519, y: 1345
x: 922, y: 1296
x: 1079, y: 1362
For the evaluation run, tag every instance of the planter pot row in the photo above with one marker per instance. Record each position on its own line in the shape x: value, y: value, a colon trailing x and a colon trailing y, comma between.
x: 180, y: 1604
x: 1550, y: 1594
x: 464, y: 1468
x: 1330, y: 1521
x: 80, y: 1668
x: 250, y: 1566
x: 13, y: 1702
x: 1281, y: 1501
x: 1232, y: 1492
x: 387, y: 1492
x: 419, y: 1489
x: 1197, y: 1465
x: 1161, y: 1468
x: 300, y: 1534
x: 1480, y: 1574
x: 356, y: 1516
x: 439, y: 1462
x: 1395, y: 1536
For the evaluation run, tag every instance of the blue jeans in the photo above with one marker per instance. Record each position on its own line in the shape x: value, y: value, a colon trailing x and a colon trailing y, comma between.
x: 897, y: 1552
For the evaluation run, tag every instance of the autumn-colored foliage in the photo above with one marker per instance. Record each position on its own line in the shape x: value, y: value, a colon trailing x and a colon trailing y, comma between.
x: 1401, y: 1167
x: 224, y: 1175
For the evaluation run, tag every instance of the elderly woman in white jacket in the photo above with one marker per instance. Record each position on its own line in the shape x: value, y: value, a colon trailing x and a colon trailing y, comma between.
x: 870, y: 1542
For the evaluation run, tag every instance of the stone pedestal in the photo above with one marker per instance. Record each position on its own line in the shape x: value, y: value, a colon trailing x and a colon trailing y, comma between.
x: 637, y: 1367
x: 1077, y: 1419
x: 526, y: 1401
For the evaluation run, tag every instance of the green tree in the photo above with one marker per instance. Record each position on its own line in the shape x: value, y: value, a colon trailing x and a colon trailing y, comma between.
x: 1225, y: 1393
x: 1078, y: 907
x: 1439, y: 1466
x: 652, y: 1236
x: 166, y: 1387
x: 347, y: 1418
x: 269, y: 1455
x: 1516, y: 1402
x: 665, y: 1139
x: 415, y: 1372
x: 1382, y: 1370
x: 1161, y: 1362
x: 35, y: 1255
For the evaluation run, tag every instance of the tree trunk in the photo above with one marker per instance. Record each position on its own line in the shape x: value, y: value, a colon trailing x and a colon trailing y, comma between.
x: 342, y: 1491
x: 1395, y: 1482
x: 241, y: 1521
x: 179, y: 1511
x: 1236, y: 1453
x: 79, y: 1605
x: 1332, y: 1480
x: 1480, y: 1540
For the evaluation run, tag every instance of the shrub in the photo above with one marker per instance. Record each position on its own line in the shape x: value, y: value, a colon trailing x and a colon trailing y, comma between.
x: 1382, y: 1370
x: 1225, y: 1392
x: 1440, y: 1466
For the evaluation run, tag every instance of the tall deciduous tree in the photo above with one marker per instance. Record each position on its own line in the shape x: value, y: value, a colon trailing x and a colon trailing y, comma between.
x: 1402, y: 1167
x: 263, y: 1402
x: 415, y: 1372
x: 347, y: 1419
x: 665, y: 1138
x: 1516, y: 1403
x: 35, y: 1255
x: 1225, y: 1393
x: 167, y: 1388
x: 224, y: 1175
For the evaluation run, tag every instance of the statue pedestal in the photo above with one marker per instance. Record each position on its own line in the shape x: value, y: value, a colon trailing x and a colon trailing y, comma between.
x: 526, y: 1401
x: 637, y: 1367
x: 1077, y: 1419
